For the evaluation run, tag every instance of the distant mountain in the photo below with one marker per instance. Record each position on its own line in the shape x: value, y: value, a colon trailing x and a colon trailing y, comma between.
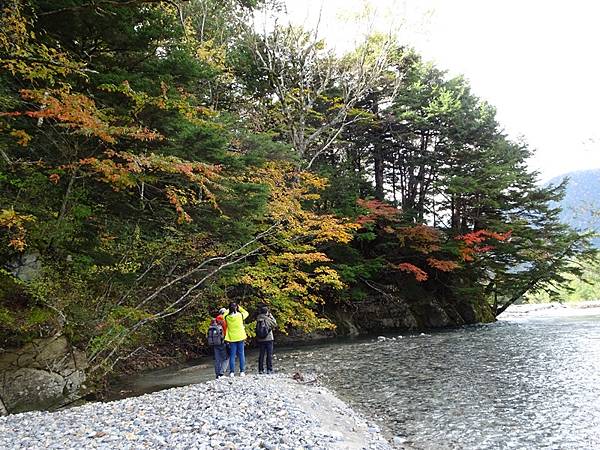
x: 582, y: 199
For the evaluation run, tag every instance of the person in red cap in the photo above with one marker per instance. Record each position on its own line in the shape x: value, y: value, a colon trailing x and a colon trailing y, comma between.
x: 216, y: 339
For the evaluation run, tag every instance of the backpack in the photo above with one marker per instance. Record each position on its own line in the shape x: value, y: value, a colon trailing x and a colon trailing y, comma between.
x: 215, y: 333
x: 262, y: 329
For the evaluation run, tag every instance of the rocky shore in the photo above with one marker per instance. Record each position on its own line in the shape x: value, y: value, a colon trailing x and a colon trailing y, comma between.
x: 253, y: 412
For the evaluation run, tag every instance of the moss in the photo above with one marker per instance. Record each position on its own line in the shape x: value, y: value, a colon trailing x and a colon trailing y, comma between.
x: 483, y: 311
x: 22, y: 318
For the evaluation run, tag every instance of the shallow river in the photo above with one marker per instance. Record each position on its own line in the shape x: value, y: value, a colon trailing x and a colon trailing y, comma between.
x: 529, y: 381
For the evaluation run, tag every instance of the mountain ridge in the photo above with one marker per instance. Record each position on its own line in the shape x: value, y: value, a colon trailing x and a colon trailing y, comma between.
x: 581, y: 204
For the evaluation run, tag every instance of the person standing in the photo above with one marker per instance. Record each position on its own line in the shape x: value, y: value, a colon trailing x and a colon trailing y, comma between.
x: 235, y: 336
x: 265, y: 322
x: 216, y: 339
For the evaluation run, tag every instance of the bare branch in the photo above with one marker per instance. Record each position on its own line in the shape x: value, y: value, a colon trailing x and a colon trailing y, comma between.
x: 301, y: 72
x: 230, y: 259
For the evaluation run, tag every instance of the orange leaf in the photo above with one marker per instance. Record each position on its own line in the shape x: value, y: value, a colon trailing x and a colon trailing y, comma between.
x: 442, y: 265
x: 377, y: 210
x: 420, y: 275
x: 22, y: 137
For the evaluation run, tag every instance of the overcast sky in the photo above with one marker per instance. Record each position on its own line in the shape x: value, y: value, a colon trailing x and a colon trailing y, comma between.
x: 537, y: 61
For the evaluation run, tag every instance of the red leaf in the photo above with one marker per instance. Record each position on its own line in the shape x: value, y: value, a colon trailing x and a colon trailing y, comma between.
x: 419, y: 274
x: 377, y: 210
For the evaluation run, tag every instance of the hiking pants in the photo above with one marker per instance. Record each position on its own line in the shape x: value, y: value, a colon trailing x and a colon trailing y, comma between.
x: 265, y: 348
x: 220, y: 359
x: 236, y: 348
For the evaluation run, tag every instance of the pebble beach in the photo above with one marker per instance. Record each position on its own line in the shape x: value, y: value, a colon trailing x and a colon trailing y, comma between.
x: 253, y: 412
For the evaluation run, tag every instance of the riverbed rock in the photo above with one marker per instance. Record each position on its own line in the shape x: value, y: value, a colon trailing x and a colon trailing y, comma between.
x: 42, y: 374
x: 306, y: 417
x: 410, y: 308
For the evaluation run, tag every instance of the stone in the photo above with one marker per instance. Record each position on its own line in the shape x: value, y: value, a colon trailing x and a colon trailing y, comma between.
x: 42, y: 374
x: 3, y: 410
x: 398, y: 440
x: 31, y: 388
x: 185, y: 418
x: 26, y: 266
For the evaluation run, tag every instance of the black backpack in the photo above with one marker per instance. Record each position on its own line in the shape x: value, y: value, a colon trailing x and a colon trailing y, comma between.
x: 262, y: 329
x: 215, y: 333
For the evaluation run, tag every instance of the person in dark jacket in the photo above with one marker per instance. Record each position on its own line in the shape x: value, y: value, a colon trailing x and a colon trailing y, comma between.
x: 265, y: 344
x: 220, y: 351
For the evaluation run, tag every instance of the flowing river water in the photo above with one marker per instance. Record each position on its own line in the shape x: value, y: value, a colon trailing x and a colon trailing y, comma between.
x: 529, y: 381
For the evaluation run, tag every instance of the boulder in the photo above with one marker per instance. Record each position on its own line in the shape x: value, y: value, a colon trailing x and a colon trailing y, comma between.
x: 413, y: 307
x: 29, y: 388
x: 26, y: 267
x: 43, y: 374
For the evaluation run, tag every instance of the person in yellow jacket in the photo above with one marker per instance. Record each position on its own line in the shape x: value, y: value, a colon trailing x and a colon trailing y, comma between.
x: 235, y: 336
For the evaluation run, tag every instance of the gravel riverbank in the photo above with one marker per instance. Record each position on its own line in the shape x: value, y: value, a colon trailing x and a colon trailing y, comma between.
x: 254, y: 412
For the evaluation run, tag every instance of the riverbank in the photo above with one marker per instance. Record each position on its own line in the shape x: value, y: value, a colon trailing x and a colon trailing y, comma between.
x: 554, y: 308
x: 254, y: 412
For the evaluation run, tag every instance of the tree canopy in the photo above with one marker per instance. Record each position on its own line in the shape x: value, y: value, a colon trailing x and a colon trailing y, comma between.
x: 161, y: 158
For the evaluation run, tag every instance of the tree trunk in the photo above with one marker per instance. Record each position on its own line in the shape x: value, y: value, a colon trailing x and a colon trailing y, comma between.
x: 379, y: 173
x: 394, y: 196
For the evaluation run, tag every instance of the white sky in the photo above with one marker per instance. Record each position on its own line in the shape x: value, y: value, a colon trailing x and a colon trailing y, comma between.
x: 537, y: 61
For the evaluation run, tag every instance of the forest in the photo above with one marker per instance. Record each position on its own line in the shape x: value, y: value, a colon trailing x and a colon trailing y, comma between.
x: 159, y: 159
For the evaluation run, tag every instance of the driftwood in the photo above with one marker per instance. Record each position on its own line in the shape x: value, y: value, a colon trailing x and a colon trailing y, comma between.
x: 300, y: 378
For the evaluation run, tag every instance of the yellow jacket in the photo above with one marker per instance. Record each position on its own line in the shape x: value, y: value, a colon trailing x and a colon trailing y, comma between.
x: 235, y: 325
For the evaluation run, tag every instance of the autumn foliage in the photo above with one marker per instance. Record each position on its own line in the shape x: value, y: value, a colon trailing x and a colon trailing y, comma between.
x: 377, y: 210
x: 480, y: 241
x: 14, y: 223
x: 443, y: 265
x: 422, y: 249
x: 419, y: 274
x: 420, y: 238
x: 418, y: 249
x: 155, y: 169
x: 79, y: 113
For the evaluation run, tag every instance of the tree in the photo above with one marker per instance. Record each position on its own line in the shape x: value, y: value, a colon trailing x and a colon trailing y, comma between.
x: 142, y: 193
x: 449, y: 166
x: 158, y: 159
x: 316, y: 92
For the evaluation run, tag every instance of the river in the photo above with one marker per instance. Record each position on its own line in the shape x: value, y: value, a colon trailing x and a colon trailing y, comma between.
x: 529, y: 381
